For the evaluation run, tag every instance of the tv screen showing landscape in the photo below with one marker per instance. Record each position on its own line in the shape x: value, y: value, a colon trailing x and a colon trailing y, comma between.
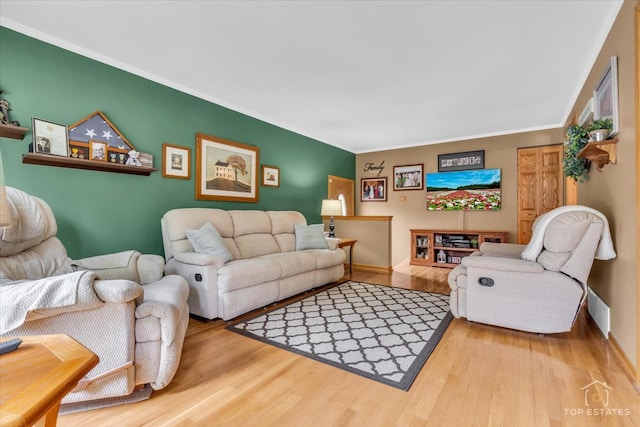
x: 477, y: 190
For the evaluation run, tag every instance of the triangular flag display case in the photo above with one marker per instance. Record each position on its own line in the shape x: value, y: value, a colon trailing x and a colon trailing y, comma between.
x: 94, y: 144
x: 96, y: 132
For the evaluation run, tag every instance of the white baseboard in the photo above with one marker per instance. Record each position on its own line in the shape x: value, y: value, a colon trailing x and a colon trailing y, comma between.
x: 599, y: 312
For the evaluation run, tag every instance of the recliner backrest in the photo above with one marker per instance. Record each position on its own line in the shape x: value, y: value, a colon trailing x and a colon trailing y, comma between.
x: 29, y: 248
x: 570, y: 243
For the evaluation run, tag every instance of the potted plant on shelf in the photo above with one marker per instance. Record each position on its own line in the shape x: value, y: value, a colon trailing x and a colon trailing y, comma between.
x: 575, y: 167
x: 599, y: 129
x: 474, y: 243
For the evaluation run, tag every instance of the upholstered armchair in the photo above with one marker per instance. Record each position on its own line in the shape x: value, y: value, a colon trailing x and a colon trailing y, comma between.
x: 120, y: 306
x: 539, y: 287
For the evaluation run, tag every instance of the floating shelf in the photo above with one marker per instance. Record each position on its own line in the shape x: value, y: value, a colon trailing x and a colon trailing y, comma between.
x: 68, y: 162
x: 600, y: 152
x: 13, y: 132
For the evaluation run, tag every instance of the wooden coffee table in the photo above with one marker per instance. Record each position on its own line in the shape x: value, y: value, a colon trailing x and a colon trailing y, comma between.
x: 38, y: 375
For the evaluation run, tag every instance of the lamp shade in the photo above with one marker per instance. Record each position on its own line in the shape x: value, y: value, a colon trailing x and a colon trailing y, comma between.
x: 331, y: 208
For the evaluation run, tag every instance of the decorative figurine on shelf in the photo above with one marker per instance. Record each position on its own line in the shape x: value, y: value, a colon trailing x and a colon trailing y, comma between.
x: 133, y: 158
x: 442, y: 256
x: 4, y: 113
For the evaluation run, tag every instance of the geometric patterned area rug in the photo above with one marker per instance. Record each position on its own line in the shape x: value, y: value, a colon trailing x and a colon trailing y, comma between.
x: 379, y: 332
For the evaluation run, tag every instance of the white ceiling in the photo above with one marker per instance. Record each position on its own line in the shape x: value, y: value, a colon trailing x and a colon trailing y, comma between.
x: 360, y: 75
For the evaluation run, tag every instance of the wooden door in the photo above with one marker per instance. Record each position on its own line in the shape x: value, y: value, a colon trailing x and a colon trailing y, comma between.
x: 344, y: 187
x: 540, y: 185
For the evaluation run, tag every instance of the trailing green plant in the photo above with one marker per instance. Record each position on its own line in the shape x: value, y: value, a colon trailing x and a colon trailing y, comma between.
x: 600, y: 124
x: 575, y: 140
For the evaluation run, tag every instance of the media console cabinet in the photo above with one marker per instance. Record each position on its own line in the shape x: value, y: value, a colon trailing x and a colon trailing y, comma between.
x: 446, y: 248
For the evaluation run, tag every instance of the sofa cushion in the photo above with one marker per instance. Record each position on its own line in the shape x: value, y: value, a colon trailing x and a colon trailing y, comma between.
x: 255, y: 245
x: 325, y: 258
x: 565, y: 232
x: 207, y: 240
x: 250, y: 222
x: 293, y: 263
x: 310, y: 237
x: 240, y: 274
x: 283, y: 221
x: 553, y: 260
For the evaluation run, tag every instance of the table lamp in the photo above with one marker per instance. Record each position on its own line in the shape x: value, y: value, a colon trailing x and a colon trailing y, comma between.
x: 331, y: 208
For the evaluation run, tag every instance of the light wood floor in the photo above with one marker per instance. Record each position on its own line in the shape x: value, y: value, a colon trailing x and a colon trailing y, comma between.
x: 478, y: 375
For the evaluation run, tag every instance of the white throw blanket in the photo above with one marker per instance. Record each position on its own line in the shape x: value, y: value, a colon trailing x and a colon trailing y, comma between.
x: 604, y: 251
x: 35, y: 299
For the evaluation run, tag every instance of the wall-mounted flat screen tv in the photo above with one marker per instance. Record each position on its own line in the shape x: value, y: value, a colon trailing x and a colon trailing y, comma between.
x: 477, y: 190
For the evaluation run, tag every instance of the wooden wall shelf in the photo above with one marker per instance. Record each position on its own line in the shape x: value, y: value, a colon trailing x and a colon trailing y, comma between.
x: 600, y: 152
x: 13, y: 132
x: 68, y: 162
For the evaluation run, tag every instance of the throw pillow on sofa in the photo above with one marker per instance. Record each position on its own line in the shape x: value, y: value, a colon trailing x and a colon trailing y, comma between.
x: 310, y: 237
x: 207, y: 240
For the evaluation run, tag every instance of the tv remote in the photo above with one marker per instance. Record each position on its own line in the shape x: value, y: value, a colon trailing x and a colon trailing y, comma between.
x: 9, y: 345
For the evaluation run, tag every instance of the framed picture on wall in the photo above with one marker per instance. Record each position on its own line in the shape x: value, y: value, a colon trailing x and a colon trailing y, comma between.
x: 408, y: 177
x: 270, y: 176
x: 605, y: 96
x: 176, y: 161
x: 461, y: 161
x: 373, y: 189
x: 226, y: 170
x: 50, y: 138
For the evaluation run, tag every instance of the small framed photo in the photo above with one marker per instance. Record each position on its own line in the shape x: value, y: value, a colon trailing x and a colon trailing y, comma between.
x: 408, y: 177
x: 98, y: 151
x: 176, y: 161
x: 373, y: 189
x: 605, y: 96
x: 50, y: 138
x: 270, y: 176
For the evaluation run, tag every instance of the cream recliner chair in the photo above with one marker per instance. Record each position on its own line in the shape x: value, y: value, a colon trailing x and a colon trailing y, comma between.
x: 539, y: 287
x: 119, y: 305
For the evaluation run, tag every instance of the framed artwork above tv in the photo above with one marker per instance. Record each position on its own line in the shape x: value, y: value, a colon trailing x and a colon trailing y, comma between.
x: 478, y: 190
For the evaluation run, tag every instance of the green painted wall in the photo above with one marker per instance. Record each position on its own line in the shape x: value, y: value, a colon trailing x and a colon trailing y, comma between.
x: 102, y: 212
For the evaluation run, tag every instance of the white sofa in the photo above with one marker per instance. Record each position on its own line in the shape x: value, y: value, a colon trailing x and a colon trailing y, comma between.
x: 262, y: 266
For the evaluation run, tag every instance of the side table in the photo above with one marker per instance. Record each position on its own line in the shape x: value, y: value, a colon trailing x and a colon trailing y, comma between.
x: 38, y: 375
x: 351, y: 243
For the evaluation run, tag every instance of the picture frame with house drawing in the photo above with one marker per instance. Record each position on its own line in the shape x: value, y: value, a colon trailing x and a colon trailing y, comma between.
x: 226, y: 170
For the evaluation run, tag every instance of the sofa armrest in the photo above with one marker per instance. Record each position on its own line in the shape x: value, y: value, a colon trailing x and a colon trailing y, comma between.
x: 120, y: 265
x: 509, y: 250
x: 333, y: 242
x: 502, y: 264
x: 161, y: 323
x: 150, y: 268
x: 195, y: 258
x: 117, y: 291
